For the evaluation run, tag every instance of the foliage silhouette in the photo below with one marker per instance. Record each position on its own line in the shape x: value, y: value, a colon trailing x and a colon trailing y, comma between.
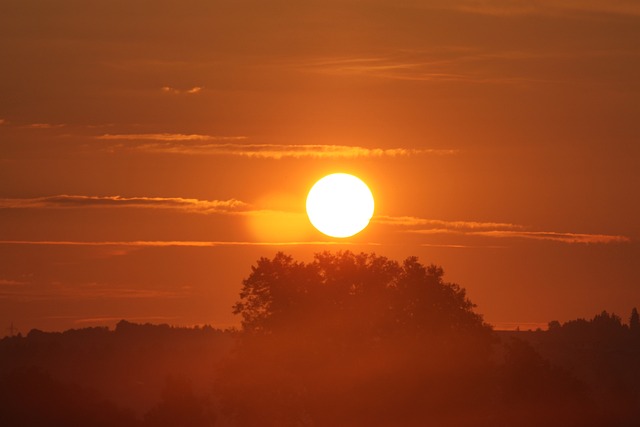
x: 355, y: 338
x: 634, y: 321
x: 30, y: 397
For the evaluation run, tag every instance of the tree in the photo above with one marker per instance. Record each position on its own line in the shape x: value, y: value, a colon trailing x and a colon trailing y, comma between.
x: 355, y: 339
x: 634, y: 321
x: 364, y: 290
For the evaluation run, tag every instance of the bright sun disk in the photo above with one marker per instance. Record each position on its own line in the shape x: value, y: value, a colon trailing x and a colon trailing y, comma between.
x: 340, y: 205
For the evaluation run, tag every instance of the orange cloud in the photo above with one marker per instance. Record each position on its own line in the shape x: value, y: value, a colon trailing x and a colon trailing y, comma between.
x: 168, y: 137
x: 414, y: 221
x: 174, y: 91
x: 56, y: 291
x: 533, y: 7
x: 76, y: 202
x: 533, y: 235
x: 493, y: 229
x: 280, y: 151
x: 554, y: 236
x: 9, y: 282
x: 198, y: 144
x: 177, y: 243
x: 45, y: 126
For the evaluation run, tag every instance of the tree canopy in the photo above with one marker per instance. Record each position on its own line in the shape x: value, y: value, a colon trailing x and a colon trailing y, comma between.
x: 371, y: 293
x: 354, y: 336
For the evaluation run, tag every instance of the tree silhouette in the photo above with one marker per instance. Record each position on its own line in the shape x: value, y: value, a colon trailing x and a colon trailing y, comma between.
x: 30, y: 397
x: 366, y: 292
x: 355, y: 339
x: 634, y: 322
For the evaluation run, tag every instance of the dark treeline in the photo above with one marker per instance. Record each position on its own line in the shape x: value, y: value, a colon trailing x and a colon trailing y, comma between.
x: 345, y: 340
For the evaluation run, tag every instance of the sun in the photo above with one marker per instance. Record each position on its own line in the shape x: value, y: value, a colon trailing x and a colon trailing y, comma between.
x: 340, y: 205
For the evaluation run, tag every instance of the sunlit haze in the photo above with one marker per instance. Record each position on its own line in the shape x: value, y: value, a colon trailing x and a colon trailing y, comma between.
x: 151, y: 152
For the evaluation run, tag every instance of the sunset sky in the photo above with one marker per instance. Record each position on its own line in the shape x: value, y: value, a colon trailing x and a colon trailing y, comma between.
x: 152, y: 151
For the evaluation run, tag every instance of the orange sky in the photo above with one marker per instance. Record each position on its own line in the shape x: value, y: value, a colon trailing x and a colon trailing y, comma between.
x: 151, y: 151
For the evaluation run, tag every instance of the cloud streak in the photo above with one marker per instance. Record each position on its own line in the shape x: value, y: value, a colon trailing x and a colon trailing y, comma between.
x: 456, y: 64
x: 176, y: 243
x: 281, y: 151
x: 9, y: 282
x: 79, y: 202
x: 541, y: 7
x: 554, y: 236
x: 212, y: 145
x: 531, y: 235
x: 499, y: 230
x: 457, y: 225
x: 171, y: 90
x: 57, y: 291
x: 167, y: 137
x: 45, y: 126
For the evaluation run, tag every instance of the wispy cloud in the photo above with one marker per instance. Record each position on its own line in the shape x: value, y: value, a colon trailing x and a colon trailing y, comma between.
x: 456, y: 225
x: 199, y: 144
x: 492, y: 229
x: 177, y: 243
x: 167, y: 137
x: 554, y: 236
x: 57, y: 291
x: 462, y: 64
x: 280, y: 151
x: 76, y: 202
x: 192, y: 91
x: 44, y: 126
x: 9, y: 282
x: 429, y: 245
x: 539, y: 7
x: 532, y: 235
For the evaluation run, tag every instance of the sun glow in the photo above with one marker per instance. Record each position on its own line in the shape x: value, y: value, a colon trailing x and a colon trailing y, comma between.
x: 340, y: 205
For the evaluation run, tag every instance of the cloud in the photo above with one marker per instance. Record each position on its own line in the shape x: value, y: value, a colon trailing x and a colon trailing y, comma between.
x: 280, y: 151
x: 9, y: 282
x: 198, y: 144
x: 44, y: 126
x: 468, y: 65
x: 532, y: 235
x: 554, y: 236
x: 3, y: 121
x: 194, y: 90
x: 406, y: 67
x: 176, y: 243
x: 167, y: 137
x: 492, y: 229
x: 463, y: 246
x: 536, y: 7
x: 472, y: 225
x: 78, y: 202
x: 56, y: 291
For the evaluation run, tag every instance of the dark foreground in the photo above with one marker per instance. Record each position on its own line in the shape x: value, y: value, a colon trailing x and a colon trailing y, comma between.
x: 348, y: 340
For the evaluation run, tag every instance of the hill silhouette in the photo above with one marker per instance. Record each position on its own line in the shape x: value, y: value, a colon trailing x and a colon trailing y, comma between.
x: 345, y: 340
